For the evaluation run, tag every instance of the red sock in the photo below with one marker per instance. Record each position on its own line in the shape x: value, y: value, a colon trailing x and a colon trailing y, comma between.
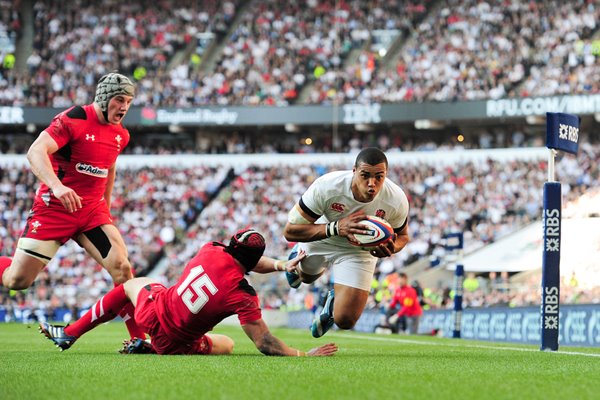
x: 104, y: 310
x: 4, y: 264
x: 127, y: 314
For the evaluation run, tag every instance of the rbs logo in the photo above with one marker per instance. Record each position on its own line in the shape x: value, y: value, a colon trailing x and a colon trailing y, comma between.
x: 550, y: 307
x: 552, y: 229
x: 568, y: 132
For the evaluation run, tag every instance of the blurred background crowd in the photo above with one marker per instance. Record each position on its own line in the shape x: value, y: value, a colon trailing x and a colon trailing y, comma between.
x: 167, y: 213
x: 189, y: 53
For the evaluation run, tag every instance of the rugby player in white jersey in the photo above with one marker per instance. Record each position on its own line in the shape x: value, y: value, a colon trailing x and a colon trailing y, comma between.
x: 324, y: 222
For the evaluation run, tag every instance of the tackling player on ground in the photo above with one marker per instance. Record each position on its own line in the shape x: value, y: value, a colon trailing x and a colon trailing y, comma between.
x: 324, y: 222
x: 74, y: 158
x: 211, y: 288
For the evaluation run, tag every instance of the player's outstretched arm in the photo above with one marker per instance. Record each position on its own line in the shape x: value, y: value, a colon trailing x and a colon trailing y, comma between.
x: 270, y: 345
x: 267, y: 264
x: 328, y: 349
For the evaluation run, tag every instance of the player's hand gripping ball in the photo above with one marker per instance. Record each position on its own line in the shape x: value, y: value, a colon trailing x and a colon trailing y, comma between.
x: 380, y: 231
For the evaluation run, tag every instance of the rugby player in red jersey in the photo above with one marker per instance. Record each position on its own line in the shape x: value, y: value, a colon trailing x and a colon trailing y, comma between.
x: 74, y: 158
x: 211, y: 288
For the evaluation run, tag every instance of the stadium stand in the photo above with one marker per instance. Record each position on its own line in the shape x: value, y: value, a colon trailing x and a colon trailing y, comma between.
x: 76, y: 42
x: 273, y: 53
x: 145, y: 211
x: 302, y: 51
x: 447, y: 58
x: 10, y: 29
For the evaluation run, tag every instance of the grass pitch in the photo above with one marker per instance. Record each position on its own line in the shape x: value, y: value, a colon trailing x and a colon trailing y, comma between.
x: 366, y: 367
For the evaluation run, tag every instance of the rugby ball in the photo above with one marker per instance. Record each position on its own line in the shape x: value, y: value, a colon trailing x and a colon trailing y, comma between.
x: 380, y: 231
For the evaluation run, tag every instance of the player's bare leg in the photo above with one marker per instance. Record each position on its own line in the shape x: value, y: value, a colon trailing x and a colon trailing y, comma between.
x: 344, y: 311
x: 105, y: 245
x: 22, y: 271
x: 221, y: 344
x: 349, y: 305
x: 134, y: 286
x: 310, y: 269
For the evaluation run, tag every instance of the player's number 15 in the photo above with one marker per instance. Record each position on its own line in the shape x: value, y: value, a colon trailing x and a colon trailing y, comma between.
x: 192, y: 287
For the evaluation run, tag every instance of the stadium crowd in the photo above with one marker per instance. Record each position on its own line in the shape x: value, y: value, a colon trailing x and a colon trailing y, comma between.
x: 278, y: 48
x: 348, y: 141
x: 486, y: 290
x: 274, y: 53
x: 76, y: 42
x: 278, y: 53
x: 471, y: 50
x: 10, y: 29
x: 157, y: 210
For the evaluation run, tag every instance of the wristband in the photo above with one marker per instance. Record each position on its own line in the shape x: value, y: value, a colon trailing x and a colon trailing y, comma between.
x: 279, y: 265
x: 331, y: 229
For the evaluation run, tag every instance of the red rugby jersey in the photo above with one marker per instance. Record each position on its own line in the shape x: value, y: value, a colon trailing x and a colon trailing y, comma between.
x: 87, y: 150
x: 211, y: 288
x: 407, y: 297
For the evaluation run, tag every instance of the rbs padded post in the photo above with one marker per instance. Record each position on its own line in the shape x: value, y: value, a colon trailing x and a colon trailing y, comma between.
x: 459, y: 277
x: 551, y: 265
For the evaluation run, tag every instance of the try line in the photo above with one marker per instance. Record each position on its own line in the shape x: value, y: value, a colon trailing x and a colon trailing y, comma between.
x: 462, y: 344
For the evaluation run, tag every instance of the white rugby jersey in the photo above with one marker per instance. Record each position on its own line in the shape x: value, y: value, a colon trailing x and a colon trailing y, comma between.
x: 330, y: 198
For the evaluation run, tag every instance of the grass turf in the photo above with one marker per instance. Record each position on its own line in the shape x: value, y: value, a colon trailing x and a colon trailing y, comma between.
x: 366, y: 367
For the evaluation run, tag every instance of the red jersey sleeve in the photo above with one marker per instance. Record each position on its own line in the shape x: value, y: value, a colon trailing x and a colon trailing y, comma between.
x: 59, y: 129
x: 247, y: 305
x: 249, y: 311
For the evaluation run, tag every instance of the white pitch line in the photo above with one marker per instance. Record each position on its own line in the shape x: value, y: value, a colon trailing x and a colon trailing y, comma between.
x: 463, y: 344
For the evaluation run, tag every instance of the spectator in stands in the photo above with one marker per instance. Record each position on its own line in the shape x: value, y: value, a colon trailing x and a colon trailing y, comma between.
x: 406, y: 299
x: 471, y: 283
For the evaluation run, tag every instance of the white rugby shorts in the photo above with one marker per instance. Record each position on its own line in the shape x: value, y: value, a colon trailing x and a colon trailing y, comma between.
x: 352, y: 267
